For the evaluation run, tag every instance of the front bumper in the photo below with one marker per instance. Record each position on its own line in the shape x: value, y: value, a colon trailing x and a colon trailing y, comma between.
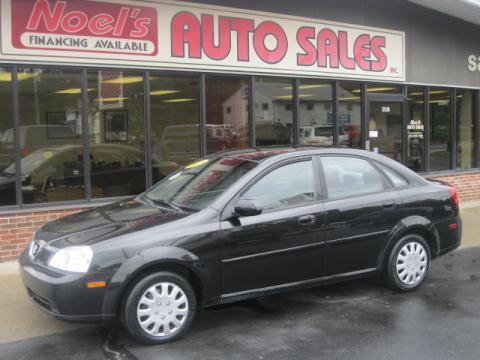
x: 64, y: 295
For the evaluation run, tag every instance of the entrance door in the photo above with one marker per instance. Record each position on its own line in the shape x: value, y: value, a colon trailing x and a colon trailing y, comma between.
x: 384, y: 128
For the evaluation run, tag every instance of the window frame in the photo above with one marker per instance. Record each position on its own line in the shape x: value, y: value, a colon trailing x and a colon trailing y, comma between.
x: 387, y: 186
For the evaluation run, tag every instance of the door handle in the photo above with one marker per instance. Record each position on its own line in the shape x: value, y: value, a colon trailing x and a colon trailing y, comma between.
x: 389, y: 206
x: 307, y: 220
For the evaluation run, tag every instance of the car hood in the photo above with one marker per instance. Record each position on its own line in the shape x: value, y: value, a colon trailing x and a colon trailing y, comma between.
x: 95, y: 225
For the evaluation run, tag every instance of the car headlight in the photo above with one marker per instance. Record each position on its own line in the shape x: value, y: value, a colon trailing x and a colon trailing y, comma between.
x: 74, y: 259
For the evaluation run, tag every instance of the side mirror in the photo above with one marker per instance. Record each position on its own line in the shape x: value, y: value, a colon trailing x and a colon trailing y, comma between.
x: 245, y: 207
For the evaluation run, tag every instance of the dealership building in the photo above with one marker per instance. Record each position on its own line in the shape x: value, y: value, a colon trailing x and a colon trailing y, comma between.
x: 101, y: 99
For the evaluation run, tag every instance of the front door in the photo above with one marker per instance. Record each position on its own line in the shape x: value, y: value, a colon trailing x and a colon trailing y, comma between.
x: 284, y: 244
x: 384, y: 128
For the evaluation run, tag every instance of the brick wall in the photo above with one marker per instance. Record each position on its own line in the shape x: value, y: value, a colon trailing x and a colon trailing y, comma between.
x: 16, y: 230
x: 467, y: 184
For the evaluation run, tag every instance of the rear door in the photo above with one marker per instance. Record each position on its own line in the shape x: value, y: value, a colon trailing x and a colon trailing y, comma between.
x: 282, y: 245
x: 361, y: 209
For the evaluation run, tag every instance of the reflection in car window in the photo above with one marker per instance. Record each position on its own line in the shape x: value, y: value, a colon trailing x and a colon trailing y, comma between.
x: 349, y: 176
x: 200, y: 183
x: 286, y: 186
x: 396, y: 179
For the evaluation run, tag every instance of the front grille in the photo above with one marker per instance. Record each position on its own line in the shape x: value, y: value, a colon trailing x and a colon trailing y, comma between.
x: 43, y: 256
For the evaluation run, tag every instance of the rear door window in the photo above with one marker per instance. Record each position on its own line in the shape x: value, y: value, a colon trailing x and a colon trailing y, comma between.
x: 350, y: 176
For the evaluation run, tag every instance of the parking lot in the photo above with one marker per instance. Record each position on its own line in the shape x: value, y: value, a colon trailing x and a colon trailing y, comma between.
x: 354, y: 320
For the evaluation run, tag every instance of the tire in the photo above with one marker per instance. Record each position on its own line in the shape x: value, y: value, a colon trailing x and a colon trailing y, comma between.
x: 408, y: 263
x: 159, y: 300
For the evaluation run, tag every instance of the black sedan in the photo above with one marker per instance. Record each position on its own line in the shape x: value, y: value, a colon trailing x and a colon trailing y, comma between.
x: 237, y: 225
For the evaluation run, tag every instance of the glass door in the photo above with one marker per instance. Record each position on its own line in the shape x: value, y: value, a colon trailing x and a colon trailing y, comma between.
x: 384, y: 128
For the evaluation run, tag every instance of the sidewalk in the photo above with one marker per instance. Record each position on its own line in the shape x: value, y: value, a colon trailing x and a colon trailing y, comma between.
x: 21, y: 319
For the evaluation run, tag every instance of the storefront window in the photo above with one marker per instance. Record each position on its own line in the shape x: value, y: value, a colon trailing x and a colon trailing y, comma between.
x: 227, y: 113
x: 175, y: 113
x: 273, y: 111
x: 117, y: 133
x: 50, y: 135
x: 415, y: 129
x: 315, y: 113
x: 350, y: 115
x: 440, y: 124
x: 465, y: 129
x: 7, y: 155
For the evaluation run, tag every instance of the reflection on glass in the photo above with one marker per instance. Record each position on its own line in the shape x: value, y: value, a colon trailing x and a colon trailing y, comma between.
x: 440, y: 124
x: 227, y: 113
x: 316, y: 114
x: 175, y: 122
x: 50, y: 135
x: 117, y: 133
x: 415, y: 129
x: 350, y: 115
x: 465, y: 129
x: 385, y: 128
x: 273, y: 111
x: 7, y: 157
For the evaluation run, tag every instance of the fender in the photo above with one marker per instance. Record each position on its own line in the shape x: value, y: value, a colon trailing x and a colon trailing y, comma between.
x: 407, y: 224
x: 155, y: 256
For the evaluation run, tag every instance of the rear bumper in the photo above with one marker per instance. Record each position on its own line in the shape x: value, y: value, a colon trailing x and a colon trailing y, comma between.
x: 65, y: 296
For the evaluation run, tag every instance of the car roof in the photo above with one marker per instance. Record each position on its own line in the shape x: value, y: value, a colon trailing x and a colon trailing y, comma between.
x: 271, y: 156
x: 274, y: 154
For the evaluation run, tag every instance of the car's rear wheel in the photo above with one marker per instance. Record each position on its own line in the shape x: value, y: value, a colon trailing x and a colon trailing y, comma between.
x: 159, y: 308
x: 408, y: 263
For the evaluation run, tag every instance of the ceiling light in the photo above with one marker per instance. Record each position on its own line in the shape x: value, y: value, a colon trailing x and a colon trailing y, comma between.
x: 378, y: 89
x: 112, y: 99
x: 163, y: 92
x: 305, y: 87
x: 349, y: 98
x: 124, y: 80
x: 7, y: 76
x: 289, y: 97
x: 72, y: 91
x: 178, y: 100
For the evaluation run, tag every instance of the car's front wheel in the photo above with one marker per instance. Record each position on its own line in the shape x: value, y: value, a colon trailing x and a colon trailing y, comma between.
x: 408, y: 263
x: 159, y: 308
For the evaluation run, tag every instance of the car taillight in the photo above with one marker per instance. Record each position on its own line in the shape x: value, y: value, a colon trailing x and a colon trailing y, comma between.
x: 453, y: 191
x: 24, y: 151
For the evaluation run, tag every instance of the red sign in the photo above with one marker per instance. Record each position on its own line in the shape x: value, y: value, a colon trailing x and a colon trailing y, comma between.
x: 86, y: 26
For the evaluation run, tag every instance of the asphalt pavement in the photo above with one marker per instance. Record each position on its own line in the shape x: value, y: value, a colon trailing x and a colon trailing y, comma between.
x: 353, y: 320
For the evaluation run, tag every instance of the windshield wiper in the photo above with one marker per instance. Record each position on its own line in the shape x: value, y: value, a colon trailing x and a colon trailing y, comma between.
x: 164, y: 203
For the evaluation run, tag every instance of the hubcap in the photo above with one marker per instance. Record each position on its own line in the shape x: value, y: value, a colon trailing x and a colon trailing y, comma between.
x: 411, y: 263
x: 162, y: 309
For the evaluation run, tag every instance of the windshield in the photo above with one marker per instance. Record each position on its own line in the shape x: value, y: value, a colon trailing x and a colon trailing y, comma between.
x: 200, y: 183
x: 31, y: 162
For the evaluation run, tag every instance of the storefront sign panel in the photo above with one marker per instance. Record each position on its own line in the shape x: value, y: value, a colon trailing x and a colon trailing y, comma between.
x: 192, y: 36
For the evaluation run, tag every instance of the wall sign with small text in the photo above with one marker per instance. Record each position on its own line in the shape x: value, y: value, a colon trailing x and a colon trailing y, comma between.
x: 181, y: 35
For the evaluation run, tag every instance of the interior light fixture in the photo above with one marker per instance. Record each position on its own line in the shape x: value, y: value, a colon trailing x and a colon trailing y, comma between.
x: 72, y: 91
x: 349, y: 98
x: 306, y: 87
x: 7, y: 76
x: 178, y: 100
x: 163, y: 92
x: 377, y: 89
x: 289, y: 97
x: 124, y: 80
x: 112, y: 99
